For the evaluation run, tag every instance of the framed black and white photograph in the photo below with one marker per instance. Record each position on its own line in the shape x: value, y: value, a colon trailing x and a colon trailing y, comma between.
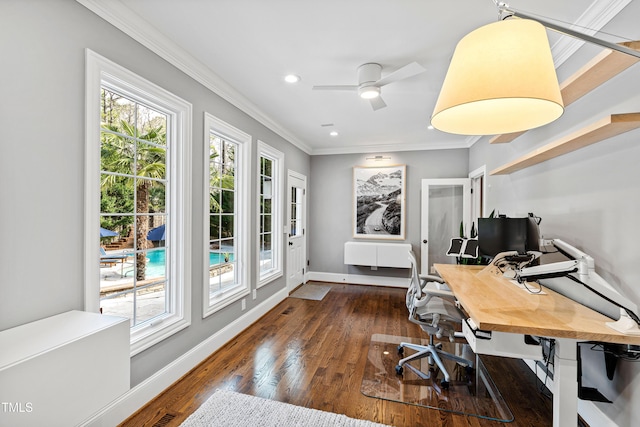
x: 379, y: 202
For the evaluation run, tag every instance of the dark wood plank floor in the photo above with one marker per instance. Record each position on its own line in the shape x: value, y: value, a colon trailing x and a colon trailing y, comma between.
x: 313, y: 354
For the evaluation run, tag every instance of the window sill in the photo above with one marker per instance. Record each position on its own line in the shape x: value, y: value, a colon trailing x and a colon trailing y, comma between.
x: 224, y: 299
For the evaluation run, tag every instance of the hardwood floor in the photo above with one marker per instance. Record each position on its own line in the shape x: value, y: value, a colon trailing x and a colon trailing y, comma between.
x: 313, y: 354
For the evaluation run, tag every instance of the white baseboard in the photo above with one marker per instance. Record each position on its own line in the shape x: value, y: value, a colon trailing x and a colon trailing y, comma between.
x: 123, y: 407
x: 359, y: 279
x: 588, y: 410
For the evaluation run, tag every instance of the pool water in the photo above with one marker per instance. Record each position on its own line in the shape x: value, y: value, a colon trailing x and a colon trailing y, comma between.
x: 157, y: 260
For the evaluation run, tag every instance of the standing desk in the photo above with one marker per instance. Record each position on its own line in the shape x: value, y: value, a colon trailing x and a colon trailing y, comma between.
x: 495, y: 304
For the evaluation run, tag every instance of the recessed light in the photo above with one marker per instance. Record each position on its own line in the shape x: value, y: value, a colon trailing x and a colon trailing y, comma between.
x: 292, y: 78
x: 333, y: 133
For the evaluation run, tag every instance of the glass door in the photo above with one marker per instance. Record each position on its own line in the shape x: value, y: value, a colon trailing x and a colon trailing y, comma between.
x: 445, y: 207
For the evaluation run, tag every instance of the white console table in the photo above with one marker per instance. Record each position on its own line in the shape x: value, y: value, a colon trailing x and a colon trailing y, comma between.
x: 61, y: 370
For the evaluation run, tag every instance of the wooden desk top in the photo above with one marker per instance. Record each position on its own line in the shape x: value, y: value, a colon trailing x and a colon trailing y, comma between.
x: 495, y: 304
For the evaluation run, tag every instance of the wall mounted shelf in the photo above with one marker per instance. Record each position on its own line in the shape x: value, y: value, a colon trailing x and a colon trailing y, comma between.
x: 605, y: 128
x: 608, y: 64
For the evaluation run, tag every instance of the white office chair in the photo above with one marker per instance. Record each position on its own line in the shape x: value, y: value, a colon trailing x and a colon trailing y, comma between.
x: 432, y: 306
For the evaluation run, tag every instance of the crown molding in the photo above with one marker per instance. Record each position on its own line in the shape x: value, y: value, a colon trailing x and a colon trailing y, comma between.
x: 120, y: 16
x: 393, y: 147
x: 594, y: 18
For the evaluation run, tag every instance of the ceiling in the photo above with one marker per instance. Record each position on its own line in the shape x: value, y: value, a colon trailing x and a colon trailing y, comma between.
x: 244, y: 48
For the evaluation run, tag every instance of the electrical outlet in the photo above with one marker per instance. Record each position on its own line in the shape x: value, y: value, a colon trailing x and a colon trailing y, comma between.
x: 433, y: 269
x: 255, y: 293
x: 244, y: 304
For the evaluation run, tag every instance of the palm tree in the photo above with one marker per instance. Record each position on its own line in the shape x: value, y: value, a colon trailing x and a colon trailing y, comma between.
x: 124, y: 156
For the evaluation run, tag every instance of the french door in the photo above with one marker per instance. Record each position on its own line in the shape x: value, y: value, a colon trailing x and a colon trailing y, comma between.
x: 296, y: 253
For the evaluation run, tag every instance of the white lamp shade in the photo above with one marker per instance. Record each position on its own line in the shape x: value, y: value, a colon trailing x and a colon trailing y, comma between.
x: 501, y: 80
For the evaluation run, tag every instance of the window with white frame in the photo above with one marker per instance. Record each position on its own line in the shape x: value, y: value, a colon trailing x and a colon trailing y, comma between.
x: 226, y: 218
x: 270, y: 223
x: 138, y: 196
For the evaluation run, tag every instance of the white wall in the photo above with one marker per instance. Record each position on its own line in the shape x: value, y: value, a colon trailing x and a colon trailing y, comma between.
x: 331, y: 202
x: 590, y: 198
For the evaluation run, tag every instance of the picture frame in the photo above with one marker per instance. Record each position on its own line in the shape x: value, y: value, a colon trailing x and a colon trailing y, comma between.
x: 379, y: 202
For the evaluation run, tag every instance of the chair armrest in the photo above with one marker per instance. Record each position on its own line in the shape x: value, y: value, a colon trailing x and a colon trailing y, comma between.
x: 439, y: 293
x: 431, y: 278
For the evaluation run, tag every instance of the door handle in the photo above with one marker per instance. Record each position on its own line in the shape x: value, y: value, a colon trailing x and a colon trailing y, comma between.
x: 424, y: 241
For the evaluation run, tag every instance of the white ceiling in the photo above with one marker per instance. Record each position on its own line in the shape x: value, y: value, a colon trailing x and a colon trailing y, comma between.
x: 245, y: 47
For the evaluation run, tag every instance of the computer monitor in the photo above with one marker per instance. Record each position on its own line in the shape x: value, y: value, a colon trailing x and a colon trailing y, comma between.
x: 497, y: 235
x: 533, y: 233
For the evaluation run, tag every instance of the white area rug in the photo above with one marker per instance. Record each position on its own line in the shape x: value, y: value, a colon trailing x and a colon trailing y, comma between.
x: 310, y: 291
x: 231, y: 409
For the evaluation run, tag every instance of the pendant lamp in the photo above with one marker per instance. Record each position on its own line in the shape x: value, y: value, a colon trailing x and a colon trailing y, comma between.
x: 501, y: 79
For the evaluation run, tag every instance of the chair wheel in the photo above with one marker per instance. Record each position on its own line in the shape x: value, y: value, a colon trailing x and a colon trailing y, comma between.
x: 399, y: 370
x: 444, y: 384
x: 400, y: 350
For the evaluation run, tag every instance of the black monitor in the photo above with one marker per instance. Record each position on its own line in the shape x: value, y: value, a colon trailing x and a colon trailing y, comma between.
x: 502, y: 234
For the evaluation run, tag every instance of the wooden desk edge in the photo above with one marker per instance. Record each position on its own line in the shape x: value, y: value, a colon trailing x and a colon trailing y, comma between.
x: 452, y: 273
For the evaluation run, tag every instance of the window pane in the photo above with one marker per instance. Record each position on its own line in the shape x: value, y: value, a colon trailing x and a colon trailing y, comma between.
x: 228, y: 246
x: 117, y: 112
x: 151, y: 161
x: 151, y: 125
x: 118, y: 304
x: 156, y: 267
x: 267, y: 227
x: 158, y: 197
x: 293, y: 212
x: 116, y: 153
x: 214, y: 201
x: 268, y: 166
x: 227, y: 226
x: 115, y: 229
x: 228, y: 204
x: 214, y: 227
x: 227, y: 177
x: 266, y: 206
x: 150, y: 301
x: 215, y: 148
x: 116, y: 195
x: 157, y: 234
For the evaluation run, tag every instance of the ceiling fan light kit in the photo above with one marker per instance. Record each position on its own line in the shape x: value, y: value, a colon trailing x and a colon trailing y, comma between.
x: 370, y: 81
x: 369, y: 92
x: 501, y: 79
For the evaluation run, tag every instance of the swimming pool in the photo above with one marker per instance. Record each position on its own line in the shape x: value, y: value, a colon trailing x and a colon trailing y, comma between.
x: 156, y: 260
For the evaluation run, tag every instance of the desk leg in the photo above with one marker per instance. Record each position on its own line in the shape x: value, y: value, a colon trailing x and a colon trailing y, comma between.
x: 565, y: 383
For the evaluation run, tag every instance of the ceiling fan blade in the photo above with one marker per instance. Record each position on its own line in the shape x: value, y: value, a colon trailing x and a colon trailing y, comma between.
x: 377, y: 103
x: 338, y: 87
x: 405, y: 72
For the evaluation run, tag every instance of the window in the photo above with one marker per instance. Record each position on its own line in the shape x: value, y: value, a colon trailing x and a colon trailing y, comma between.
x: 295, y: 215
x: 226, y: 219
x: 138, y: 195
x: 270, y: 228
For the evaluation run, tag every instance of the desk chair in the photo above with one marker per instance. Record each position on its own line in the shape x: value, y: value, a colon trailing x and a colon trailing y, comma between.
x: 432, y: 306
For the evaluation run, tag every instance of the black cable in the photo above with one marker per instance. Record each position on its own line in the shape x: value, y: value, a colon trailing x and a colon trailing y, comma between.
x: 624, y: 355
x: 606, y: 298
x: 548, y: 361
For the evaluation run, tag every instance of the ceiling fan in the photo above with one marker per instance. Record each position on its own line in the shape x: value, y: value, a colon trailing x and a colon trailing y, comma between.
x: 370, y: 81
